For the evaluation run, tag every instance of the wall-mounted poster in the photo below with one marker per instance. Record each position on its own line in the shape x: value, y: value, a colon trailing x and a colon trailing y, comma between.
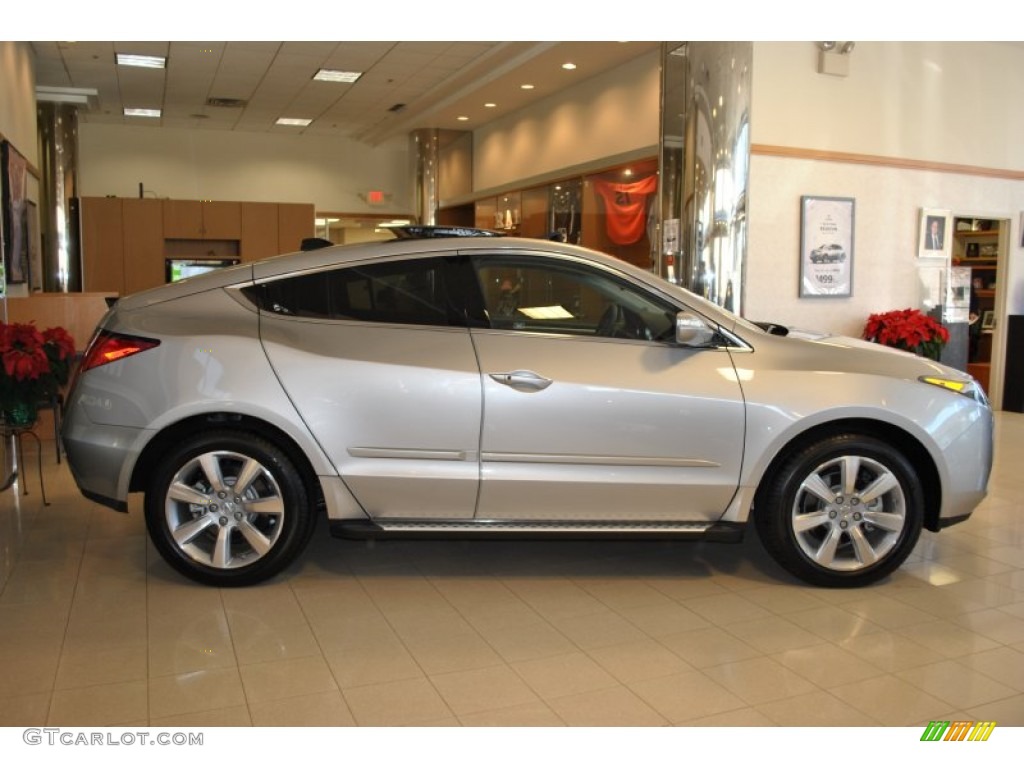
x: 15, y: 172
x: 826, y: 247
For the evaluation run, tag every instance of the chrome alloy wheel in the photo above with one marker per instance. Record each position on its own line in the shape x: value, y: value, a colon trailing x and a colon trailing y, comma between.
x: 849, y: 513
x: 224, y: 509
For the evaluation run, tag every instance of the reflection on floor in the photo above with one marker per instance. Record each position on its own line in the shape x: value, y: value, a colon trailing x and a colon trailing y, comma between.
x: 95, y: 629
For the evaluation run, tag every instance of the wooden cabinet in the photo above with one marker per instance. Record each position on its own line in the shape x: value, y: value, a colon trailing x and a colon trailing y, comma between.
x: 295, y: 222
x: 202, y: 220
x: 125, y: 241
x: 143, y: 244
x: 259, y: 231
x: 102, y: 240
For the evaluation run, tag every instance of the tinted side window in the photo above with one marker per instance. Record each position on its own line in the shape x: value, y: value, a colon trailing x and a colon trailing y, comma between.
x: 553, y: 296
x: 406, y: 292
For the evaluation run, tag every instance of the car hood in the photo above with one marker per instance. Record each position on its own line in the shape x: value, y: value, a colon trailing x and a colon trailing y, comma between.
x: 808, y: 350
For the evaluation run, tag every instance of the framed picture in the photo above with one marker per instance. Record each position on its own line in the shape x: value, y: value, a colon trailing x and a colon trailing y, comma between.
x: 988, y: 320
x: 971, y: 250
x: 934, y: 236
x: 826, y: 247
x: 14, y: 173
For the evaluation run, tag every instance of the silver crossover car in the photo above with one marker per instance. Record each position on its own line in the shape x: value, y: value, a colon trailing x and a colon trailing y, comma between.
x: 491, y: 386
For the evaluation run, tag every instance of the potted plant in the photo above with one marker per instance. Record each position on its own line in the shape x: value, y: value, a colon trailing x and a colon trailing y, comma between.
x: 34, y: 365
x: 907, y: 329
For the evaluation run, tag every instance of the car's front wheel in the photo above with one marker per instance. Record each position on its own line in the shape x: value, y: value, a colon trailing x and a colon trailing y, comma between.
x: 228, y: 509
x: 843, y: 511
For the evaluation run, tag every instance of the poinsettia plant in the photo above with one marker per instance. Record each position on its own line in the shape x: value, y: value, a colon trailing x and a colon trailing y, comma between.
x: 908, y: 329
x: 35, y: 364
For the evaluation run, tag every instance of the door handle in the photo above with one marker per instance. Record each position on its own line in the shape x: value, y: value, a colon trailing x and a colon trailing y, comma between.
x: 522, y: 381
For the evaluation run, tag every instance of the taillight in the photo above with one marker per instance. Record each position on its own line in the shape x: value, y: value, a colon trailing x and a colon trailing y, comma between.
x: 107, y: 347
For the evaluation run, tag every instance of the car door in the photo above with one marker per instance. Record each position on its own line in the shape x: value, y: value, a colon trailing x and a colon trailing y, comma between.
x: 592, y: 412
x: 381, y: 367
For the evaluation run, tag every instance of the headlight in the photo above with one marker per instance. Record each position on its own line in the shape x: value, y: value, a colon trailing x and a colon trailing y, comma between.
x: 967, y: 388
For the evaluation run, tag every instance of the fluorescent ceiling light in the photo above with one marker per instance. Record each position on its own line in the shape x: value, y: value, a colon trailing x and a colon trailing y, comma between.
x: 301, y: 121
x: 568, y: 65
x: 546, y: 313
x: 337, y: 76
x: 134, y: 60
x: 134, y: 112
x: 462, y: 118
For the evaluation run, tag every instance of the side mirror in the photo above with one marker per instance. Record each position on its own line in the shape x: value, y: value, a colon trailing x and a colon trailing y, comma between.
x: 692, y: 331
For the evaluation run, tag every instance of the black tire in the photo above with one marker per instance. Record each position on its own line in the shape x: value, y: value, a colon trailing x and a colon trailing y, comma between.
x: 210, y: 533
x: 815, y: 528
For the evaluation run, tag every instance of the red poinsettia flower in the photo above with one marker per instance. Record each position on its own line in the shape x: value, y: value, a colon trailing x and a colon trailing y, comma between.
x: 34, y: 365
x: 61, y: 341
x: 908, y: 329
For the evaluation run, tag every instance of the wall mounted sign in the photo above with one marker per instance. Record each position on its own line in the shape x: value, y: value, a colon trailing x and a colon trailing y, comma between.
x: 826, y: 247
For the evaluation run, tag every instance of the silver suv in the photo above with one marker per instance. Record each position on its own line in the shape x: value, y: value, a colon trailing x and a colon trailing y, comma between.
x: 492, y: 386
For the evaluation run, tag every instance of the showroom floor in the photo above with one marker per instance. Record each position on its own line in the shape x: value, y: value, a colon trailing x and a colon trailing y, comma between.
x: 95, y: 630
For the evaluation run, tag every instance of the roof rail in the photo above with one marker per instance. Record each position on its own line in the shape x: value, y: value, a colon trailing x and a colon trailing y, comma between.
x: 421, y: 231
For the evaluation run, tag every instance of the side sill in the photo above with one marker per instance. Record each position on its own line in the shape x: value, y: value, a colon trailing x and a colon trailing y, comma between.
x: 945, y: 522
x: 462, y: 529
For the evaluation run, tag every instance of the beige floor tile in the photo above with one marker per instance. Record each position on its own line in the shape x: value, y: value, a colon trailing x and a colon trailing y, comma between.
x: 817, y: 708
x: 100, y: 705
x: 197, y: 691
x: 558, y: 676
x: 204, y: 643
x: 623, y: 595
x: 833, y: 623
x: 483, y: 690
x: 773, y: 634
x: 405, y: 702
x: 536, y: 715
x: 760, y: 680
x: 890, y: 652
x: 523, y: 642
x: 24, y: 711
x: 687, y: 696
x: 228, y: 717
x: 737, y: 718
x: 610, y: 708
x: 597, y: 630
x: 994, y: 623
x: 947, y: 638
x: 783, y: 599
x: 556, y: 598
x: 956, y: 684
x: 891, y: 701
x: 452, y: 652
x: 370, y: 663
x: 886, y: 612
x: 702, y: 648
x: 1008, y: 713
x: 286, y: 679
x: 1003, y: 664
x: 662, y: 620
x: 29, y: 668
x: 641, y: 660
x: 317, y: 709
x: 726, y: 608
x: 101, y: 663
x: 827, y: 665
x: 254, y: 642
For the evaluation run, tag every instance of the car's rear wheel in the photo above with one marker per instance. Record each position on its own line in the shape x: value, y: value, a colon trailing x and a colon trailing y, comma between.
x: 844, y: 511
x: 228, y: 509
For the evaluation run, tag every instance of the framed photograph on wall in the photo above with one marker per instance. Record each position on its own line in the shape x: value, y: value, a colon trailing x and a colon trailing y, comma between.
x: 934, y: 240
x: 12, y: 198
x: 826, y: 247
x: 988, y: 320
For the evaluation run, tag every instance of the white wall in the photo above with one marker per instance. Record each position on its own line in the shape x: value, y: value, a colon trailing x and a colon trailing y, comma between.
x: 18, y: 99
x: 601, y: 117
x: 950, y: 102
x: 251, y: 167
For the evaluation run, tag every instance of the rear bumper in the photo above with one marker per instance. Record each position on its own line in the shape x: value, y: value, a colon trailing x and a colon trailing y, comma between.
x: 101, y: 458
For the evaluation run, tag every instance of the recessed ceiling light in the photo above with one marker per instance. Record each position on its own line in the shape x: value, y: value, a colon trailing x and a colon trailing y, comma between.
x: 490, y: 105
x: 568, y: 65
x: 134, y: 60
x: 135, y: 112
x: 462, y: 118
x: 527, y: 86
x: 300, y: 121
x: 337, y: 76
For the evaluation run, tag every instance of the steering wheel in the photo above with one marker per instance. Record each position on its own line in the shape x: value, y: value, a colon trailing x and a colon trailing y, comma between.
x: 610, y: 321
